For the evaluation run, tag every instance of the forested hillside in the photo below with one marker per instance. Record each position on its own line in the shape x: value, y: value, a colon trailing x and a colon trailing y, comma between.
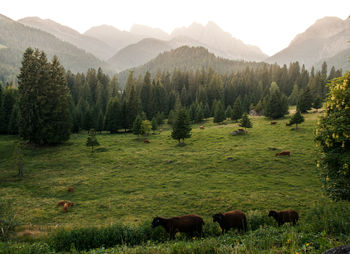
x: 189, y: 59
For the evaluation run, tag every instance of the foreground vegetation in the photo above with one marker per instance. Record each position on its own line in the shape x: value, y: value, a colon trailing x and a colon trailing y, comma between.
x: 120, y: 187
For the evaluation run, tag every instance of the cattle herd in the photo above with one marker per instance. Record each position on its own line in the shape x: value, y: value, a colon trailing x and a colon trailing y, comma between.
x: 233, y: 219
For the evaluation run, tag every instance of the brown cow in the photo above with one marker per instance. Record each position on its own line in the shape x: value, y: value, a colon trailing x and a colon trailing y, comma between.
x: 70, y: 203
x: 284, y: 216
x: 186, y: 224
x: 201, y: 127
x: 273, y: 123
x: 65, y: 207
x: 232, y: 219
x: 283, y: 153
x: 70, y: 189
x: 146, y: 141
x: 61, y: 203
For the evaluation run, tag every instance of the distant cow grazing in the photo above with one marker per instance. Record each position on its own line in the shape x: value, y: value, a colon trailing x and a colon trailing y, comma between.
x: 273, y: 123
x: 70, y: 203
x: 201, y: 127
x: 289, y: 124
x: 146, y: 141
x: 233, y: 219
x: 61, y: 203
x: 70, y: 189
x: 187, y: 224
x: 65, y: 207
x: 283, y: 153
x: 284, y: 216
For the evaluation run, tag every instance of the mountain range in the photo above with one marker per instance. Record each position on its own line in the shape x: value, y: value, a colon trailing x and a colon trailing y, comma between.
x: 327, y: 39
x: 115, y: 50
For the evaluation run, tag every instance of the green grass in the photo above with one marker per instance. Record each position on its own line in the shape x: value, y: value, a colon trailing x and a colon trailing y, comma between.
x: 126, y: 181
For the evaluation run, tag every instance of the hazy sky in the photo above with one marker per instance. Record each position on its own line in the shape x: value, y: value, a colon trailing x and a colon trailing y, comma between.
x: 269, y: 24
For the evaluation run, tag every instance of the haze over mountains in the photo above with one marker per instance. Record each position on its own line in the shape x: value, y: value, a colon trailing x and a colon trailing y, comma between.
x: 115, y: 50
x: 326, y: 39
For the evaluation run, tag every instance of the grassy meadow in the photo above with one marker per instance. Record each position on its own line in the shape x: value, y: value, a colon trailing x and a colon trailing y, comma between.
x: 128, y: 182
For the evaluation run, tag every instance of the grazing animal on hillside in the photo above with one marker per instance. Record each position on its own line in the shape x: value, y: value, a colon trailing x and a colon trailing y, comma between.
x: 186, y: 224
x: 284, y: 216
x: 61, y: 203
x: 70, y: 203
x: 70, y: 189
x: 146, y: 141
x: 283, y: 153
x: 65, y: 207
x: 289, y: 124
x: 201, y: 127
x: 232, y: 219
x: 273, y: 123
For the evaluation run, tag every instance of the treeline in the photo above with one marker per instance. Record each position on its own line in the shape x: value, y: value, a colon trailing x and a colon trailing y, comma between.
x: 97, y: 100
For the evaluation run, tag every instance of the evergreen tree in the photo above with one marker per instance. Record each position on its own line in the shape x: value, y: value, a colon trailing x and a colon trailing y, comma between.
x: 44, y: 100
x: 305, y: 101
x: 317, y: 103
x: 206, y: 111
x: 99, y: 122
x: 296, y: 119
x: 154, y: 124
x: 294, y: 96
x: 219, y: 112
x: 133, y: 106
x: 181, y: 127
x: 228, y: 112
x: 198, y: 115
x: 171, y: 117
x: 8, y: 102
x: 275, y: 104
x: 159, y: 118
x: 245, y: 122
x: 13, y: 124
x: 137, y: 125
x: 113, y: 116
x: 92, y: 140
x: 237, y: 111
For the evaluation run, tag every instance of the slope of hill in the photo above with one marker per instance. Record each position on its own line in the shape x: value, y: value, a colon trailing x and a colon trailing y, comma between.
x: 113, y: 37
x: 92, y: 45
x: 340, y: 60
x: 16, y: 37
x: 138, y: 53
x: 325, y: 39
x: 188, y: 58
x: 220, y: 43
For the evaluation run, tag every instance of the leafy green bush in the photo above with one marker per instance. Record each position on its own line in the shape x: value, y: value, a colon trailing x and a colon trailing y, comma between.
x: 330, y: 218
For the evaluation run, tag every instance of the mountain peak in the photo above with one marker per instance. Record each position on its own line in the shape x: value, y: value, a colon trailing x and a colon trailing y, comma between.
x: 149, y: 32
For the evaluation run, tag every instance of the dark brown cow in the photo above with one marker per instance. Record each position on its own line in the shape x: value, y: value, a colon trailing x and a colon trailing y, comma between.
x: 284, y: 216
x: 283, y: 153
x: 70, y: 189
x: 273, y: 123
x: 146, y: 141
x: 201, y: 127
x: 186, y: 224
x: 233, y: 219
